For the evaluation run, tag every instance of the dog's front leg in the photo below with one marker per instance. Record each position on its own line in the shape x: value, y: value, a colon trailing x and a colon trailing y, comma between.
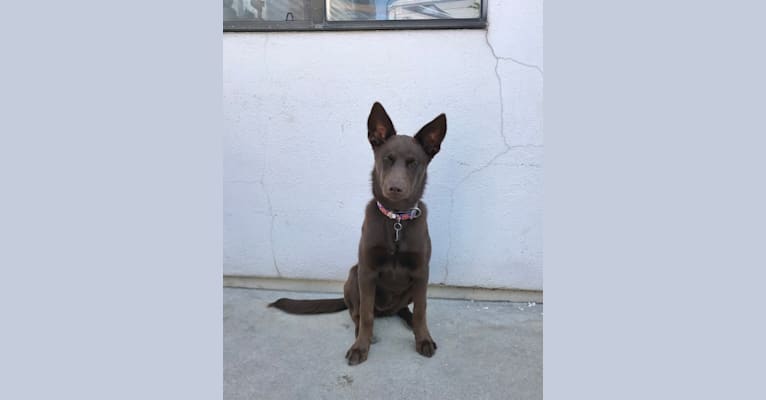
x: 358, y: 351
x: 424, y: 344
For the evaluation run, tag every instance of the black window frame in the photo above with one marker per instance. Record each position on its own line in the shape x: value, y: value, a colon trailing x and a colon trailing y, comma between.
x: 318, y: 22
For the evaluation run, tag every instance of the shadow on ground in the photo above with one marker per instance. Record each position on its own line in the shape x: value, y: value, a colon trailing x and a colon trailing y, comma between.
x: 487, y: 350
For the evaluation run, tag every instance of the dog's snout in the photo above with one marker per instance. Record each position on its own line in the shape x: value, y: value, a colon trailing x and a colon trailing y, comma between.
x: 394, y: 189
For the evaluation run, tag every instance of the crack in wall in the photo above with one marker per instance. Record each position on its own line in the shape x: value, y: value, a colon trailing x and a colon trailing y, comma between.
x: 270, y: 214
x: 522, y: 64
x: 271, y: 228
x: 491, y: 161
x: 498, y: 58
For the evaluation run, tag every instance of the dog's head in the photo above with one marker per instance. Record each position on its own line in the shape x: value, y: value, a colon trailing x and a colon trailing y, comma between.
x: 401, y: 161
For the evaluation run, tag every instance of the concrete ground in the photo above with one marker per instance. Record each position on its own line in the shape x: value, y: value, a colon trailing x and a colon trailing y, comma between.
x: 487, y: 350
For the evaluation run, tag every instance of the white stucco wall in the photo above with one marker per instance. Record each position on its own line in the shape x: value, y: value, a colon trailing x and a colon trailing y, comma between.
x: 297, y: 160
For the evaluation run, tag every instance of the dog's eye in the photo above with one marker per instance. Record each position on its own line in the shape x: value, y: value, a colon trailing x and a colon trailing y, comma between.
x: 412, y: 163
x: 389, y: 159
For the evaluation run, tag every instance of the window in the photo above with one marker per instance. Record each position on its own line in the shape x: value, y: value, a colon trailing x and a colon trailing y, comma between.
x: 303, y: 15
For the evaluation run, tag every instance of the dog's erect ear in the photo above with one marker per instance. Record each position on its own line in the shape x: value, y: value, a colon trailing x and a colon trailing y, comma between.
x: 430, y: 136
x: 379, y: 126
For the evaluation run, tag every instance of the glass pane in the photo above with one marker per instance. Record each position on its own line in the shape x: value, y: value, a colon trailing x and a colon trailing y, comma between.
x: 265, y: 10
x: 382, y: 10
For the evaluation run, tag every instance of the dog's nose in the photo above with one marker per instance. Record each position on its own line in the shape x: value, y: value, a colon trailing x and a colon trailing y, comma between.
x: 394, y: 189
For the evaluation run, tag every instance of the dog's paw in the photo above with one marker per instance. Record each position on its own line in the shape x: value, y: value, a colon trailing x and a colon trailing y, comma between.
x: 426, y: 347
x: 357, y: 354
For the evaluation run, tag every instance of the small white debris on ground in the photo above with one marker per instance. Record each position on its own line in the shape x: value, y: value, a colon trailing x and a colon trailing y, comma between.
x: 486, y: 308
x: 531, y: 304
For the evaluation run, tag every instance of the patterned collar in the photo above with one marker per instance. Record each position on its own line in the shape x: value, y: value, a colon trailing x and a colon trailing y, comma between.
x: 412, y: 213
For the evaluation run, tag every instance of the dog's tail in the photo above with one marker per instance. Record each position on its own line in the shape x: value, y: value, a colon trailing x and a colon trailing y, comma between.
x: 310, y: 306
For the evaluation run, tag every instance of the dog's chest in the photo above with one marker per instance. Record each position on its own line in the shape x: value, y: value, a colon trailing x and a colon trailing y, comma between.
x: 393, y: 286
x: 394, y: 279
x: 395, y: 270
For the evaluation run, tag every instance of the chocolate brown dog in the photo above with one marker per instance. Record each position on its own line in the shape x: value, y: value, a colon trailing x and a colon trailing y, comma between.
x: 395, y: 247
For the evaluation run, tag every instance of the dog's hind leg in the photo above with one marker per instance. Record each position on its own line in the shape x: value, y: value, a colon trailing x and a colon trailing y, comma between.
x: 353, y: 311
x: 405, y: 315
x: 355, y: 318
x: 351, y: 297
